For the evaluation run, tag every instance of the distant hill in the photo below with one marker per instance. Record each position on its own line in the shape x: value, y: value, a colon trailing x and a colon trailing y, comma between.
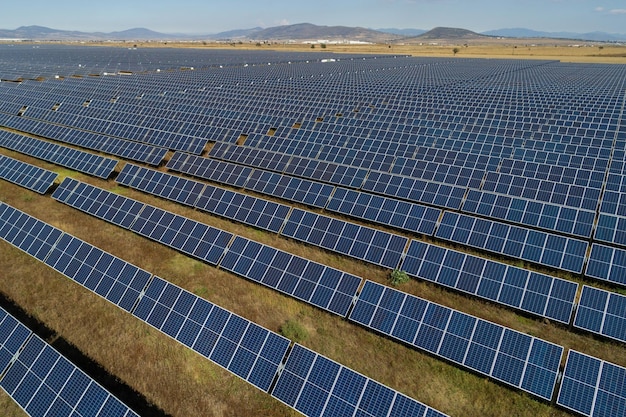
x: 527, y: 33
x: 402, y: 32
x: 308, y: 31
x: 237, y: 33
x: 449, y: 33
x: 48, y: 34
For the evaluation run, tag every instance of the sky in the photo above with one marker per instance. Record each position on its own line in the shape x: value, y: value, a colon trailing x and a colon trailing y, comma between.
x: 209, y: 17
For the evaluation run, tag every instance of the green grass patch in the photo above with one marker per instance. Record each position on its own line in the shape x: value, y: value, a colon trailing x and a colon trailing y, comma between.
x: 294, y: 331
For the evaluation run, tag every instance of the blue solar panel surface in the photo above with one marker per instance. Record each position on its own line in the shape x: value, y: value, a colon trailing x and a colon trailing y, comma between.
x: 607, y: 264
x: 361, y: 242
x: 44, y: 383
x: 509, y: 356
x: 236, y: 344
x: 602, y: 312
x: 592, y: 387
x: 514, y: 241
x: 515, y: 287
x: 317, y: 386
x: 26, y: 175
x: 108, y: 276
x: 317, y: 284
x: 188, y: 236
x: 382, y: 210
x: 236, y: 206
x: 88, y: 163
x: 546, y: 216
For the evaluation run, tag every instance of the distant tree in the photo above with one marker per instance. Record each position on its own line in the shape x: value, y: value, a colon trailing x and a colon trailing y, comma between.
x: 312, y: 46
x: 258, y: 44
x: 323, y: 46
x: 455, y: 51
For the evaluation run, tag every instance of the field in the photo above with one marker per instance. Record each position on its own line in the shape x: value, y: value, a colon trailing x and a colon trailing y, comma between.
x: 158, y: 376
x: 565, y: 51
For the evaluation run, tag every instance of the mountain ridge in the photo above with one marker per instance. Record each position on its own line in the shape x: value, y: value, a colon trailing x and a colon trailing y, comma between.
x: 301, y: 32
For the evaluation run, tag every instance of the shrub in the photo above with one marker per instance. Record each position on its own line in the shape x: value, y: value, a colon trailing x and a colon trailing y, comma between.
x: 293, y: 331
x: 398, y: 277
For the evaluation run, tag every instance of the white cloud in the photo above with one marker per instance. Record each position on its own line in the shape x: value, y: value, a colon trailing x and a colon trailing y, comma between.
x: 599, y: 9
x: 618, y: 11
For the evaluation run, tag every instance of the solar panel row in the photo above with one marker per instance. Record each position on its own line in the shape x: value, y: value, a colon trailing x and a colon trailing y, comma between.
x: 81, y: 161
x: 505, y: 284
x: 361, y: 242
x: 193, y: 238
x: 382, y: 210
x: 592, y: 387
x: 129, y: 150
x: 26, y: 175
x: 415, y: 190
x: 307, y: 168
x: 322, y: 286
x: 108, y: 276
x: 543, y: 190
x: 546, y: 216
x: 565, y: 175
x: 230, y: 204
x: 602, y: 312
x: 236, y: 344
x: 514, y: 241
x: 249, y: 351
x: 44, y: 383
x: 319, y: 387
x: 514, y: 358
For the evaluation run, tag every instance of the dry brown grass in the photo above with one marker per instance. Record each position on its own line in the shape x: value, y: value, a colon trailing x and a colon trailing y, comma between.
x: 551, y: 49
x: 182, y: 383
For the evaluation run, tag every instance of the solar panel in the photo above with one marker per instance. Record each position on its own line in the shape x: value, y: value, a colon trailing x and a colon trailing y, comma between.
x: 230, y: 204
x: 159, y: 183
x: 188, y: 236
x: 13, y: 336
x: 514, y: 358
x: 323, y: 171
x: 400, y: 214
x: 290, y: 188
x: 81, y: 161
x: 607, y: 264
x: 26, y: 175
x: 209, y: 169
x: 546, y: 216
x: 44, y: 383
x: 364, y: 243
x: 27, y: 233
x: 543, y: 190
x: 232, y: 342
x: 602, y: 312
x: 611, y: 229
x: 517, y: 242
x: 613, y: 202
x: 415, y: 190
x: 592, y: 387
x: 317, y: 386
x: 130, y: 150
x: 515, y: 287
x: 314, y: 283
